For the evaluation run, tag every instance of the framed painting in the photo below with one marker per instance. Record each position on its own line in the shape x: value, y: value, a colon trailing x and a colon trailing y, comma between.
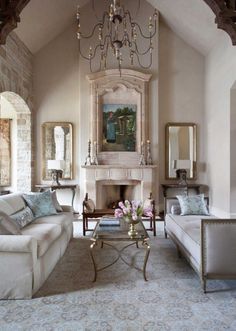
x: 5, y: 152
x: 119, y: 127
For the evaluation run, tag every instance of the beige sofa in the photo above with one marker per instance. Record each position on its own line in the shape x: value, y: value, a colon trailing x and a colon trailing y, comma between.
x: 208, y: 243
x: 27, y: 260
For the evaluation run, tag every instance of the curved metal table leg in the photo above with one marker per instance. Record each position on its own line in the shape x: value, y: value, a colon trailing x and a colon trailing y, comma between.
x: 94, y: 263
x: 147, y: 246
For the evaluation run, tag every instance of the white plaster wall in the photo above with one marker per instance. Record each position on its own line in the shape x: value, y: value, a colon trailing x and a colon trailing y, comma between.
x: 56, y: 88
x: 220, y: 77
x: 181, y: 92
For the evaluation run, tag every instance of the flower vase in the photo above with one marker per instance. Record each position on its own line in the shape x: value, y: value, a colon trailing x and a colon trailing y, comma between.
x: 132, y: 231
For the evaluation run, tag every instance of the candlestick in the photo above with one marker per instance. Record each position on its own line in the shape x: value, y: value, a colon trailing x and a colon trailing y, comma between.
x: 149, y: 157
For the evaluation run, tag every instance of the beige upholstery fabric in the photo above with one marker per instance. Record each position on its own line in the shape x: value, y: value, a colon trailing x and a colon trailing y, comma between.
x: 45, y: 234
x: 220, y: 247
x: 55, y: 201
x: 61, y: 219
x: 11, y: 203
x: 188, y: 233
x: 34, y: 253
x: 21, y: 244
x: 7, y: 224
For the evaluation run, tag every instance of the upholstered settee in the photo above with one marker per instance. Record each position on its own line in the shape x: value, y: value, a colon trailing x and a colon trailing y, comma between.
x: 28, y: 258
x: 208, y: 243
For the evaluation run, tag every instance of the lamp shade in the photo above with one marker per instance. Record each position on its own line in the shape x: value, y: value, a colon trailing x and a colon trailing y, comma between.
x: 182, y: 164
x: 56, y: 164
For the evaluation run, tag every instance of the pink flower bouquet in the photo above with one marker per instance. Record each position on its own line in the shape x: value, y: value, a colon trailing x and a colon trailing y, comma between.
x: 132, y: 211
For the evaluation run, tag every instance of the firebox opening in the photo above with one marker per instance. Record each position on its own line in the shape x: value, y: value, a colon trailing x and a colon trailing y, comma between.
x: 110, y: 195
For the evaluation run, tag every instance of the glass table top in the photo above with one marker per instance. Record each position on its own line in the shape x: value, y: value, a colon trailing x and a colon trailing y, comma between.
x: 112, y: 229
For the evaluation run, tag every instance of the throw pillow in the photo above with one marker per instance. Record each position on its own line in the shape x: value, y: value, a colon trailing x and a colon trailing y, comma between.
x: 55, y: 201
x: 8, y: 226
x: 23, y: 217
x: 175, y: 209
x: 89, y: 206
x: 41, y: 204
x: 192, y: 204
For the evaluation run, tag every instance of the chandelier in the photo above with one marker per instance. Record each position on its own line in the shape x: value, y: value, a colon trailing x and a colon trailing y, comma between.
x: 117, y: 33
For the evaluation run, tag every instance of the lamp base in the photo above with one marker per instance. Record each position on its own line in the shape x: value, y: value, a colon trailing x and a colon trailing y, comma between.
x: 182, y: 176
x: 56, y: 174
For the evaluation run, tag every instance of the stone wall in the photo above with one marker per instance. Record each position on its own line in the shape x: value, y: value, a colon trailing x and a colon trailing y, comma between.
x: 16, y: 81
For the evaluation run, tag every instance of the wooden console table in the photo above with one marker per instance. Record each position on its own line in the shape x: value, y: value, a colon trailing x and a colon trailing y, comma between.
x: 170, y: 190
x: 43, y: 187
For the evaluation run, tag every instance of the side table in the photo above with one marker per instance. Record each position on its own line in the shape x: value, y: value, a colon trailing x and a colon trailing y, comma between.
x: 45, y: 187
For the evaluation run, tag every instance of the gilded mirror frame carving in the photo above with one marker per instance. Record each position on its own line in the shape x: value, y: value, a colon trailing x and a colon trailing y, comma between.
x: 64, y: 151
x: 192, y: 148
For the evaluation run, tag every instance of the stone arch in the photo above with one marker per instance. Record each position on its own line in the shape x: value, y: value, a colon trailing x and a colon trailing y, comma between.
x: 24, y: 142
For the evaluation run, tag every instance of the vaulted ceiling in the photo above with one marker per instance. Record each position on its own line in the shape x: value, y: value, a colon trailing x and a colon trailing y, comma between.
x: 192, y: 20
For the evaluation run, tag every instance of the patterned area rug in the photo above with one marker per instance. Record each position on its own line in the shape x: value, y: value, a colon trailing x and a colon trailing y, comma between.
x: 120, y: 299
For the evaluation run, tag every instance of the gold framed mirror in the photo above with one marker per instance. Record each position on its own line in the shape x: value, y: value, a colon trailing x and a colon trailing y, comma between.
x: 57, y: 145
x: 181, y: 149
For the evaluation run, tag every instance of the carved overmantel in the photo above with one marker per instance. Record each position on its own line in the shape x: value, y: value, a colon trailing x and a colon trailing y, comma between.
x: 111, y: 87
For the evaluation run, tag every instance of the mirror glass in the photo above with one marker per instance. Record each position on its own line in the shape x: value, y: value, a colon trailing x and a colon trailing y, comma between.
x: 57, y: 145
x: 180, y: 149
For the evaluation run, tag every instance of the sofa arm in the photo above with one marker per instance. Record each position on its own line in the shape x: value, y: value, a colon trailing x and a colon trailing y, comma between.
x: 18, y: 244
x: 218, y: 248
x: 67, y: 208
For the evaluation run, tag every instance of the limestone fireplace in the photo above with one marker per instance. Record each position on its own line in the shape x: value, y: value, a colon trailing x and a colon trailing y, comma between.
x: 116, y: 168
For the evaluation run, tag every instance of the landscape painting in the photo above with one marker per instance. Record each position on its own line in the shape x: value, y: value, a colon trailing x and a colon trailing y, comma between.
x: 119, y: 127
x: 5, y: 152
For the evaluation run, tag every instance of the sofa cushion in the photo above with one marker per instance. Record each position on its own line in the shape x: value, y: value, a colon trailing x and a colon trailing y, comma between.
x: 187, y: 230
x: 11, y: 203
x: 192, y: 204
x: 40, y: 203
x: 63, y: 219
x: 7, y: 225
x: 23, y: 217
x: 45, y: 234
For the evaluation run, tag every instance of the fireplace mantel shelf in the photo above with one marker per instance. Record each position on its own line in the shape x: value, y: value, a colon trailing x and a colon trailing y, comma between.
x: 99, y: 176
x: 113, y: 166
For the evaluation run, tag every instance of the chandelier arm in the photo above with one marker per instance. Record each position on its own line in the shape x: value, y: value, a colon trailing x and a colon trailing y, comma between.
x: 88, y: 57
x: 141, y: 53
x: 151, y: 35
x: 142, y: 66
x: 82, y: 55
x: 92, y: 33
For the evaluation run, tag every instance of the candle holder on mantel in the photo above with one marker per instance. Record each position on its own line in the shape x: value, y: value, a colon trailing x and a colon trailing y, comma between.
x: 149, y: 157
x: 142, y: 156
x: 95, y: 153
x: 88, y: 160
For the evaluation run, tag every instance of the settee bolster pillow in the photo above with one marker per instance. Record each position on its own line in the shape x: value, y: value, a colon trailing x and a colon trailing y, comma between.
x: 18, y: 244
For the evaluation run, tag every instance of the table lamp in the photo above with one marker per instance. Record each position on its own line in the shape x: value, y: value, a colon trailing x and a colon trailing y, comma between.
x: 56, y: 167
x: 181, y: 167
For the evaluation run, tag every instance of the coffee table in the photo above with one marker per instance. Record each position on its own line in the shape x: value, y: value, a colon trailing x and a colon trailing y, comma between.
x: 110, y: 234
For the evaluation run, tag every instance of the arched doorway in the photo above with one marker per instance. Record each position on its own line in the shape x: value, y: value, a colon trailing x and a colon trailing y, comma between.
x: 13, y: 107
